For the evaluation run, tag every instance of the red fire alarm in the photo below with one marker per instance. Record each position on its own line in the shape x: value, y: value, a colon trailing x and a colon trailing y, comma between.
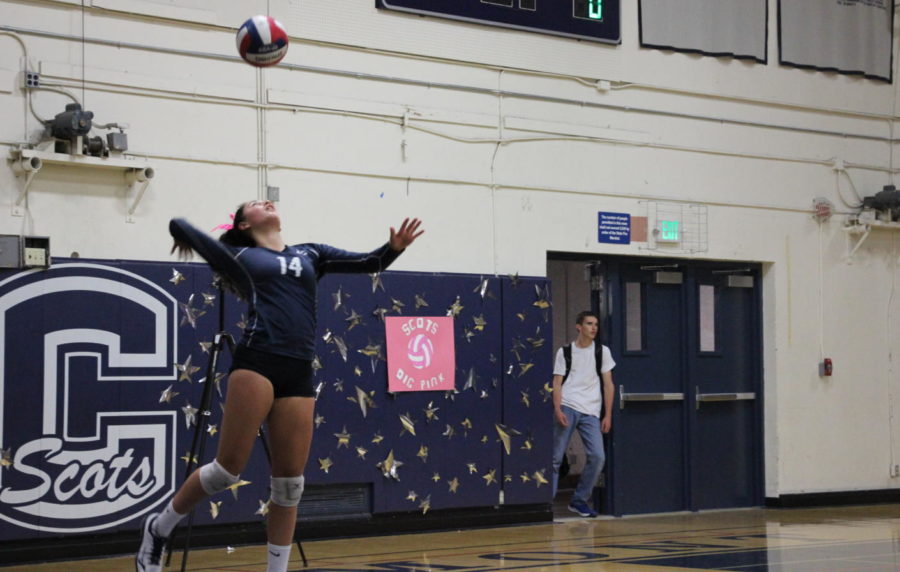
x: 825, y: 368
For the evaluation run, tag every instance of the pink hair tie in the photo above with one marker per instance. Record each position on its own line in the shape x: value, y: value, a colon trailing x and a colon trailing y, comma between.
x: 226, y: 225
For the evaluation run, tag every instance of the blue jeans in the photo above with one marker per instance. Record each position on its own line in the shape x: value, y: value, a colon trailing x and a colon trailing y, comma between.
x: 589, y: 428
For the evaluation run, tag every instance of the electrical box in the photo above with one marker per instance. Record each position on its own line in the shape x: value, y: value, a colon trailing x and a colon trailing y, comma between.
x: 18, y: 251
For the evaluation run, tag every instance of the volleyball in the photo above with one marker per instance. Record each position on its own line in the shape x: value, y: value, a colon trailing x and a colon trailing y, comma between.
x: 419, y: 351
x: 262, y: 41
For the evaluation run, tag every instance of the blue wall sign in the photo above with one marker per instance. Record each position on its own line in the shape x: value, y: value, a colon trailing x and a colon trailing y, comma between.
x: 614, y: 228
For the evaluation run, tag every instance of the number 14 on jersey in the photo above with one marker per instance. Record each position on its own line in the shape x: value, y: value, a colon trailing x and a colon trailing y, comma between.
x: 293, y: 265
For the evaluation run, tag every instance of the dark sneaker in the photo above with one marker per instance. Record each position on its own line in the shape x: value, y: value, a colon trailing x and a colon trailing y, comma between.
x: 582, y: 508
x: 150, y: 554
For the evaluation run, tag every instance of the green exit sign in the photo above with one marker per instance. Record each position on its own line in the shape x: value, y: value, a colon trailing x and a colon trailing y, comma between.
x: 669, y: 231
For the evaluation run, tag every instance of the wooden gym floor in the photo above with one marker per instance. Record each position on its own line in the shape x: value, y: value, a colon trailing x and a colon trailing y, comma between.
x: 858, y: 539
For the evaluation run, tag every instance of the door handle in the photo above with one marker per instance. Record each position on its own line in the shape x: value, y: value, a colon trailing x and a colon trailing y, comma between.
x: 738, y: 396
x: 623, y: 397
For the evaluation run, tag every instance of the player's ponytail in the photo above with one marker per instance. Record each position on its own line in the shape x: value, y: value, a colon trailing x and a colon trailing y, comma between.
x: 234, y: 236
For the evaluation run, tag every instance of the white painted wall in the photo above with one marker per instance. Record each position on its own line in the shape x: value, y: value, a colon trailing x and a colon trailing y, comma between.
x: 499, y: 179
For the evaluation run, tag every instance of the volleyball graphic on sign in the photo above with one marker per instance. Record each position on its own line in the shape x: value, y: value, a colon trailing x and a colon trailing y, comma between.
x: 420, y: 351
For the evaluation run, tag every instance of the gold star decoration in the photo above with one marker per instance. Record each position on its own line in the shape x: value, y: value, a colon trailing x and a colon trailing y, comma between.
x: 449, y: 432
x: 316, y: 364
x: 339, y: 385
x: 528, y: 444
x: 373, y: 351
x: 325, y: 464
x: 514, y: 279
x: 490, y: 478
x: 468, y: 334
x: 364, y: 400
x: 263, y: 509
x: 546, y: 392
x: 377, y: 438
x: 408, y: 425
x: 353, y: 320
x: 423, y: 453
x: 480, y: 322
x: 484, y: 439
x: 212, y: 430
x: 190, y: 312
x: 484, y: 394
x: 214, y: 508
x: 167, y: 395
x: 507, y: 478
x: 341, y: 346
x: 454, y: 485
x: 431, y: 412
x: 539, y: 478
x: 205, y: 346
x: 525, y: 478
x: 455, y: 308
x: 524, y: 367
x: 319, y: 420
x: 537, y: 341
x: 177, y: 277
x: 343, y: 438
x: 504, y: 436
x: 389, y: 466
x: 436, y: 477
x: 338, y: 297
x: 482, y: 289
x: 6, y: 460
x: 379, y: 312
x: 521, y: 316
x: 187, y: 458
x: 420, y: 301
x: 472, y: 468
x: 376, y: 282
x: 190, y: 414
x: 187, y: 370
x: 357, y: 371
x: 451, y: 394
x: 208, y: 299
x: 397, y: 305
x: 234, y: 488
x: 242, y: 323
x: 412, y: 496
x: 318, y: 390
x: 526, y: 400
x: 361, y: 452
x: 543, y: 297
x: 425, y: 504
x: 471, y: 380
x: 466, y: 423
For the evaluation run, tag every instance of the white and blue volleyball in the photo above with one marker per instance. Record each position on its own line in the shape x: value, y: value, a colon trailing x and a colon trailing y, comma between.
x: 262, y: 41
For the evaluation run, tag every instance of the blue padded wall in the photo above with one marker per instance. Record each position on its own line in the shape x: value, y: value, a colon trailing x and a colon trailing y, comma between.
x: 93, y: 446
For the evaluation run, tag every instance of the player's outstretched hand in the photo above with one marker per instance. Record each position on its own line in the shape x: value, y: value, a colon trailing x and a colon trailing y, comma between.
x: 408, y: 233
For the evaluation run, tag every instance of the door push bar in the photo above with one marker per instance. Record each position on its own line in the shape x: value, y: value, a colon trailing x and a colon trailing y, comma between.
x: 623, y: 397
x: 700, y: 397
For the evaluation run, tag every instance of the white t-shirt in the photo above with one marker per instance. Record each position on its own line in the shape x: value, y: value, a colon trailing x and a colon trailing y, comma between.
x: 582, y: 390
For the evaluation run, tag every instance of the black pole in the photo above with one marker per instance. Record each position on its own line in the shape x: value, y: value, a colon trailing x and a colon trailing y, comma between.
x: 198, y: 443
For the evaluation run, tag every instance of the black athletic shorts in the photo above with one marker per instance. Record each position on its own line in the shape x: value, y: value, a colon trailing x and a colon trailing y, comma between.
x: 289, y: 376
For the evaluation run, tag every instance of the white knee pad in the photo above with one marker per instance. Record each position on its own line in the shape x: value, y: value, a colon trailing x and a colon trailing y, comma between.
x: 286, y: 491
x: 215, y: 479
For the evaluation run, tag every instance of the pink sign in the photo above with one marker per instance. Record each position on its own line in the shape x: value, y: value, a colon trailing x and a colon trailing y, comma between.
x: 420, y: 353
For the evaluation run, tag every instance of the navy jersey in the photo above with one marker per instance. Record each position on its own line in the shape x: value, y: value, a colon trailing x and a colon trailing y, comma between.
x: 280, y: 287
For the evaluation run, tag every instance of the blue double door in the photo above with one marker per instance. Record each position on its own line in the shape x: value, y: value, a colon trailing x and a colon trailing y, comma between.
x: 687, y: 422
